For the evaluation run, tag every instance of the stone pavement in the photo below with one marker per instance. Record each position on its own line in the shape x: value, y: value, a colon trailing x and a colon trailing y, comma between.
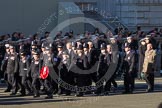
x: 140, y: 99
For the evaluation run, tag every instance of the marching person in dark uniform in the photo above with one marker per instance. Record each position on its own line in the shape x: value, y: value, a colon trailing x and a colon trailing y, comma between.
x: 114, y: 56
x: 4, y: 68
x: 87, y: 54
x: 70, y: 58
x: 128, y: 68
x: 81, y: 61
x: 149, y: 67
x: 102, y: 66
x: 133, y: 43
x: 112, y: 79
x: 92, y: 55
x: 51, y: 61
x: 59, y: 56
x: 2, y: 53
x: 12, y: 70
x: 23, y: 68
x: 34, y: 71
x: 65, y: 75
x: 42, y: 55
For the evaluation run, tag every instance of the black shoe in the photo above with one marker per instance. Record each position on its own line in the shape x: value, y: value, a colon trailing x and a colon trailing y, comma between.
x: 89, y: 92
x: 23, y: 95
x: 12, y: 94
x: 7, y: 90
x: 79, y: 95
x: 97, y: 93
x: 67, y: 94
x: 36, y: 96
x: 149, y: 90
x: 30, y: 93
x: 106, y: 93
x: 49, y: 97
x: 131, y: 92
x: 60, y: 92
x: 126, y: 92
x: 43, y: 90
x: 55, y: 92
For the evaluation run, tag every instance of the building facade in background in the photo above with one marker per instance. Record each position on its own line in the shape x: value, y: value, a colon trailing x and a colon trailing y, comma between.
x: 44, y: 15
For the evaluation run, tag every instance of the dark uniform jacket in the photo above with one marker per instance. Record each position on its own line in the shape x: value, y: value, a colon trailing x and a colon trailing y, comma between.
x: 12, y: 64
x: 103, y: 63
x: 52, y: 63
x: 34, y: 70
x: 23, y: 67
x: 93, y: 56
x: 4, y: 62
x: 82, y: 62
x: 129, y: 61
x: 71, y: 55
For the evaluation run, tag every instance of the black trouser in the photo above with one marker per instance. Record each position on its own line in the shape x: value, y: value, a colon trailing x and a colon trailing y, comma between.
x: 36, y: 85
x: 129, y: 81
x: 29, y: 84
x: 1, y: 74
x: 9, y: 86
x: 81, y: 81
x: 50, y: 86
x: 25, y: 85
x: 67, y: 77
x: 42, y: 84
x: 108, y: 83
x: 100, y: 88
x: 13, y: 81
x: 71, y: 78
x: 149, y: 78
x: 63, y: 76
x: 93, y: 78
x: 141, y: 60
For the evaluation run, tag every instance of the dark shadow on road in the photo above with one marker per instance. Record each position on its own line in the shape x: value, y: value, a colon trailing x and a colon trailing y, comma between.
x: 22, y: 101
x: 18, y: 100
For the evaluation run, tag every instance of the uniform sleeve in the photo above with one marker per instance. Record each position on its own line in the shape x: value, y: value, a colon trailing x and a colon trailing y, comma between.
x: 4, y: 65
x: 29, y: 70
x: 40, y: 65
x: 154, y: 60
x: 132, y: 63
x: 28, y: 64
x: 108, y: 58
x: 16, y: 64
x: 85, y: 62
